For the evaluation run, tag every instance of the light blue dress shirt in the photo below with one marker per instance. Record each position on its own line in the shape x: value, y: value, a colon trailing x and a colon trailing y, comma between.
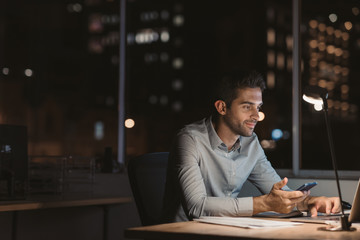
x: 204, y: 178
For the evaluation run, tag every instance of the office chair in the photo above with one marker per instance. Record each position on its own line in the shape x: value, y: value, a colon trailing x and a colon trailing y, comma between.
x: 147, y: 175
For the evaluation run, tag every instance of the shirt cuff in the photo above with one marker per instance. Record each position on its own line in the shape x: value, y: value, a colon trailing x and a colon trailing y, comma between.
x: 245, y: 206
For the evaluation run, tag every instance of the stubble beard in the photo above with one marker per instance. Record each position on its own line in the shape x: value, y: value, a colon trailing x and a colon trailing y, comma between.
x: 241, y: 129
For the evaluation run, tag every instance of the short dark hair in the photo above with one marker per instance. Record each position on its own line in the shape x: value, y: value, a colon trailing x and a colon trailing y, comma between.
x: 227, y: 87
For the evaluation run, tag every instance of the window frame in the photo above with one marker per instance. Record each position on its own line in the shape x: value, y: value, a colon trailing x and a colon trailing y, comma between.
x: 296, y: 170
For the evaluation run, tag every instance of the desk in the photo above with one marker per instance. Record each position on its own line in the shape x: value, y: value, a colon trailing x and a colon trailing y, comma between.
x: 47, y: 203
x: 196, y: 230
x: 58, y: 203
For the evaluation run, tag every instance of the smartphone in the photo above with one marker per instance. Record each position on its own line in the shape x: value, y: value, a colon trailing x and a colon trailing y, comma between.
x: 306, y: 186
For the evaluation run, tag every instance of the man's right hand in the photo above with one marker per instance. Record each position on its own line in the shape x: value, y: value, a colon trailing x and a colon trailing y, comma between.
x: 278, y: 200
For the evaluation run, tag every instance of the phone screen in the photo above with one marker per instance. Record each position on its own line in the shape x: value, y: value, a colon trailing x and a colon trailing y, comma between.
x: 307, y: 186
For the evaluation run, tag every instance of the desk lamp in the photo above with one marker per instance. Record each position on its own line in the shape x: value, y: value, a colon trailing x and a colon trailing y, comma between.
x: 318, y: 96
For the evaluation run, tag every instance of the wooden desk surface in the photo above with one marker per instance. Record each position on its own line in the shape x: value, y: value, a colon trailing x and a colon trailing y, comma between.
x: 58, y: 203
x: 196, y: 230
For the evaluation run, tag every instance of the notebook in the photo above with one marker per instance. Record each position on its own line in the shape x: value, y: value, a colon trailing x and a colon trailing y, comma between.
x: 354, y: 215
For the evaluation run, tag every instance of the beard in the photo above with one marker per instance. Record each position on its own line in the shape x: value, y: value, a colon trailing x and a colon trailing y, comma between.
x: 240, y: 128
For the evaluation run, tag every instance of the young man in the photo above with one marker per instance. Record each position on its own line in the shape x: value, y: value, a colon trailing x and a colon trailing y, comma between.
x: 211, y: 159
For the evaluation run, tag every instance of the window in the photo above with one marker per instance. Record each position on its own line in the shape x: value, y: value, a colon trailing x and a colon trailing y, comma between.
x: 59, y: 74
x: 331, y: 52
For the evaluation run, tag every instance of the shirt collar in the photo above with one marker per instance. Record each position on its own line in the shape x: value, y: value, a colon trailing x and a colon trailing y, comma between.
x: 215, y: 141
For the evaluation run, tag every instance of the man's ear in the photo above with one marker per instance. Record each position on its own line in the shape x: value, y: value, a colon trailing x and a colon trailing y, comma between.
x: 220, y: 106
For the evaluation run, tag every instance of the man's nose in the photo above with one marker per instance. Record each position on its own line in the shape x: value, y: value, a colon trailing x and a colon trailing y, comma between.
x: 255, y: 114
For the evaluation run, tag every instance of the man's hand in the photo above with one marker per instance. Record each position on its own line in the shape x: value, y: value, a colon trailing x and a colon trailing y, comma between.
x: 323, y: 204
x: 278, y: 200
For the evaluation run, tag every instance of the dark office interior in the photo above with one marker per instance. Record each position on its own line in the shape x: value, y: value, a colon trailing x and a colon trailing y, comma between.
x: 60, y: 84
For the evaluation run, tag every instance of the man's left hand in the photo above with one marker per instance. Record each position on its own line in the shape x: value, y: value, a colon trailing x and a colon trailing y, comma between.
x: 323, y: 204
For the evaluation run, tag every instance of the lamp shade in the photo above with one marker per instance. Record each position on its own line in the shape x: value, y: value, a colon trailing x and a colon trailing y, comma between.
x: 315, y: 95
x: 312, y: 100
x: 315, y: 92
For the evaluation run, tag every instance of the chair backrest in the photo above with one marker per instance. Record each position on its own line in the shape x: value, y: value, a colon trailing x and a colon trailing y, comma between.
x: 147, y: 175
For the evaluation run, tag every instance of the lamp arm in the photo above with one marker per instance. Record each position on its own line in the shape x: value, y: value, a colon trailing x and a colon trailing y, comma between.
x: 318, y: 92
x: 333, y: 157
x: 345, y: 224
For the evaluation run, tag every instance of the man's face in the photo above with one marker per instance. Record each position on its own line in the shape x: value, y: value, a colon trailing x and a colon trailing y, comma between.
x: 243, y: 114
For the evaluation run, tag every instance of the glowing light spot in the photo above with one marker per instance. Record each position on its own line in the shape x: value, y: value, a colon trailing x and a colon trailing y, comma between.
x: 318, y: 107
x: 338, y: 33
x: 322, y: 83
x: 330, y: 30
x: 322, y: 27
x: 129, y: 123
x: 337, y: 69
x: 271, y: 37
x: 99, y: 130
x: 289, y: 42
x: 345, y: 36
x: 338, y: 52
x: 330, y: 86
x: 268, y: 144
x: 333, y: 17
x: 348, y: 25
x: 312, y: 100
x: 313, y: 44
x: 321, y: 46
x: 276, y: 134
x: 330, y: 49
x: 261, y: 116
x: 28, y: 72
x: 77, y: 7
x: 165, y: 36
x: 178, y: 20
x: 5, y: 71
x: 146, y: 36
x: 313, y: 24
x: 178, y: 63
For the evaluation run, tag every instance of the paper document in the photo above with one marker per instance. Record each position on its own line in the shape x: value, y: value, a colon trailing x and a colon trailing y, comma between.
x: 246, y: 222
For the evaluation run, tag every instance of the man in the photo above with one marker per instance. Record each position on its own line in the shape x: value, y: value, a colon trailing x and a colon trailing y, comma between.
x: 211, y: 159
